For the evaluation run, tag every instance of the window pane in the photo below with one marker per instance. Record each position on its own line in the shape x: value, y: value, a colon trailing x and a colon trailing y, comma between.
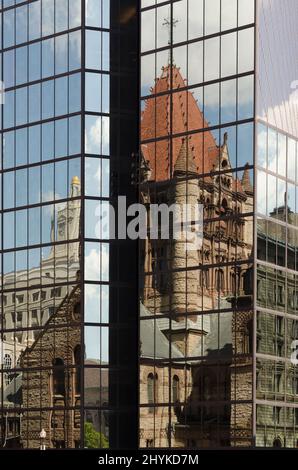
x: 21, y: 147
x: 96, y: 262
x: 9, y: 149
x: 93, y: 92
x: 47, y: 17
x: 97, y: 177
x: 9, y: 68
x: 97, y: 135
x: 21, y: 188
x: 74, y: 50
x: 61, y: 101
x: 228, y: 14
x: 61, y: 138
x: 211, y: 59
x: 228, y: 54
x: 21, y: 65
x: 34, y: 144
x: 21, y: 24
x: 48, y: 99
x: 61, y: 54
x: 61, y: 15
x: 34, y: 103
x: 34, y: 61
x: 34, y: 185
x: 93, y: 50
x: 74, y: 93
x: 47, y: 58
x: 34, y: 20
x: 74, y: 14
x: 48, y: 141
x: 74, y: 140
x: 246, y: 50
x: 9, y: 28
x: 96, y: 303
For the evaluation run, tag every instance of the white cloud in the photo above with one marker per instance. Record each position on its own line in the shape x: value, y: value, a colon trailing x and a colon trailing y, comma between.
x: 97, y: 262
x: 97, y: 135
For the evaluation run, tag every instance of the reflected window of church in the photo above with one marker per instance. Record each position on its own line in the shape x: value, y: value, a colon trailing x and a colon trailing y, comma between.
x: 58, y: 377
x: 7, y: 361
x: 34, y: 318
x: 51, y: 311
x: 219, y: 279
x: 35, y: 296
x: 19, y: 319
x: 56, y: 292
x: 176, y: 389
x: 277, y: 415
x: 280, y: 294
x: 277, y: 443
x: 277, y: 382
x: 152, y: 387
x: 279, y: 321
x: 20, y: 299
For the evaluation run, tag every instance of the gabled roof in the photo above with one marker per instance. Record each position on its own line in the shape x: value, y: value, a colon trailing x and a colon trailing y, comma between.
x: 186, y: 116
x: 185, y: 161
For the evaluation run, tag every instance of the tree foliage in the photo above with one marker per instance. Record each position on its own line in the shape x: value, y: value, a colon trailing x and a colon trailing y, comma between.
x: 94, y: 439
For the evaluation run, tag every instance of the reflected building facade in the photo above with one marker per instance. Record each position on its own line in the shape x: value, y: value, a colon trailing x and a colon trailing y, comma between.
x: 218, y: 323
x: 276, y: 231
x: 95, y: 332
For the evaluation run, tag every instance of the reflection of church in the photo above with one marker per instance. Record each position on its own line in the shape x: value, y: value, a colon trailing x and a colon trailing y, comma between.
x: 32, y: 308
x: 180, y: 284
x: 39, y: 336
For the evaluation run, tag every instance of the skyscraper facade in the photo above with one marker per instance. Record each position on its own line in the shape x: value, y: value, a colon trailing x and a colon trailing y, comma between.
x: 163, y: 342
x: 60, y: 383
x: 219, y: 126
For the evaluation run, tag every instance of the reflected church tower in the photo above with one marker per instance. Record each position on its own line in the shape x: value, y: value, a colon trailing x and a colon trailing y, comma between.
x: 180, y: 284
x: 68, y: 224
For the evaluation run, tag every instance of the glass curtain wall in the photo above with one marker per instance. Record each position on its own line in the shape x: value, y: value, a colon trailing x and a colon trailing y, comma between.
x: 276, y: 226
x: 54, y: 253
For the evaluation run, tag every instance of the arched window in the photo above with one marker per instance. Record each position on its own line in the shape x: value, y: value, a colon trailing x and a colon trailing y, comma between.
x: 204, y: 273
x: 277, y: 443
x: 7, y: 362
x: 58, y: 377
x: 77, y: 362
x: 150, y: 389
x: 219, y: 280
x: 7, y: 365
x: 152, y: 382
x: 233, y: 283
x: 176, y: 389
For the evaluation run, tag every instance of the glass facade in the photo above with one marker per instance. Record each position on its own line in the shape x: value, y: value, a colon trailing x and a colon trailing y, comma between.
x: 197, y: 146
x: 276, y: 228
x: 59, y: 373
x: 172, y: 102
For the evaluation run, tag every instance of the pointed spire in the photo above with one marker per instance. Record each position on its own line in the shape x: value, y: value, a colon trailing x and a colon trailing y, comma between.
x: 246, y: 183
x: 185, y: 163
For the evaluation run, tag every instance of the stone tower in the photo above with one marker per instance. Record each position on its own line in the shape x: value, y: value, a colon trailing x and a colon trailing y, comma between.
x: 184, y: 253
